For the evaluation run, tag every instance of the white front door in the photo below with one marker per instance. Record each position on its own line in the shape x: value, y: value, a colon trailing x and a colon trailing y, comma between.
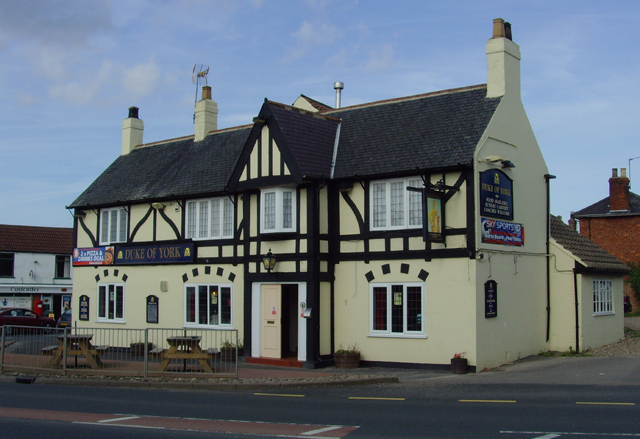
x: 271, y: 317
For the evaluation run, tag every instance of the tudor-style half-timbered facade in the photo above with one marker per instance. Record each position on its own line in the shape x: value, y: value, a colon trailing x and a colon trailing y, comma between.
x: 398, y: 226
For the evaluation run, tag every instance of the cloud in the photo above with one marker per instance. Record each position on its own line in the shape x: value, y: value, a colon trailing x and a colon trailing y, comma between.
x: 142, y: 79
x: 63, y: 23
x: 380, y: 59
x: 312, y: 35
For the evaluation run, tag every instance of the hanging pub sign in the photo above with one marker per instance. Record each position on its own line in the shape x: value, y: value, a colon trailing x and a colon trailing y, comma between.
x: 83, y: 309
x: 152, y: 309
x: 496, y: 194
x: 93, y: 256
x: 502, y: 232
x: 435, y: 216
x: 490, y: 299
x: 155, y: 254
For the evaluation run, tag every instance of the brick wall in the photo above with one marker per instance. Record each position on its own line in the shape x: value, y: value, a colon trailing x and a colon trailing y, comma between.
x: 620, y: 236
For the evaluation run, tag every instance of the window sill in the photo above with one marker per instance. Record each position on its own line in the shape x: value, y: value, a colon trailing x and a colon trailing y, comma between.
x: 398, y: 335
x: 599, y: 314
x: 116, y: 322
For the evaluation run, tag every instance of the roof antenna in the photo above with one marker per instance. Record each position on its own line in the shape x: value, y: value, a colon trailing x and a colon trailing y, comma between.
x: 199, y: 71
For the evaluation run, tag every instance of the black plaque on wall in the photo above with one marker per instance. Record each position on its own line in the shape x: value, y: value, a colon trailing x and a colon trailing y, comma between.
x: 152, y: 309
x: 490, y: 299
x: 83, y: 313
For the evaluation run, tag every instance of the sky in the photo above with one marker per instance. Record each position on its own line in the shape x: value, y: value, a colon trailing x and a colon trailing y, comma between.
x: 70, y: 69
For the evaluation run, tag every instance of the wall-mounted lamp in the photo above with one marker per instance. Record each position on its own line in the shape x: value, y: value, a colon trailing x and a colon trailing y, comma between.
x: 269, y: 261
x: 80, y: 214
x: 259, y: 120
x: 493, y: 159
x: 157, y: 206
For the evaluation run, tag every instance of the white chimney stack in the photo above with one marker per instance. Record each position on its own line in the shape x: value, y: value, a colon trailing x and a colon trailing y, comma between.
x: 132, y: 129
x: 206, y: 115
x: 503, y: 58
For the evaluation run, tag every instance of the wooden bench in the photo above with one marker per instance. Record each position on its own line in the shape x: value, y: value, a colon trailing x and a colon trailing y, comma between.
x: 101, y: 349
x: 49, y: 350
x: 156, y: 352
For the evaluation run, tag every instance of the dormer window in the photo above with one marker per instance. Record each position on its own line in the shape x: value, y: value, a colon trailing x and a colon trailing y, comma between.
x: 211, y: 218
x: 278, y: 210
x: 113, y: 225
x: 393, y: 206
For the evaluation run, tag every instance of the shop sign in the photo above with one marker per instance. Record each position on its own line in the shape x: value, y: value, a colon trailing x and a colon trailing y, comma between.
x: 496, y: 194
x: 490, y: 299
x: 155, y: 254
x: 93, y: 256
x: 502, y: 232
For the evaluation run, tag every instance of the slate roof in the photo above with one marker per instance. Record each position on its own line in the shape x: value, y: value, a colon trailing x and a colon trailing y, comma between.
x: 601, y: 208
x: 431, y: 131
x: 31, y: 239
x: 434, y: 131
x: 310, y: 136
x: 168, y: 170
x: 591, y: 256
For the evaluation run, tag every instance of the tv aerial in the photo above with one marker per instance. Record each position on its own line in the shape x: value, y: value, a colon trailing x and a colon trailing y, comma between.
x: 198, y: 74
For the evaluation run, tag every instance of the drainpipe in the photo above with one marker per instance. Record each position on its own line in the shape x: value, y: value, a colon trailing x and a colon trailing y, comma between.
x: 575, y: 298
x: 547, y: 178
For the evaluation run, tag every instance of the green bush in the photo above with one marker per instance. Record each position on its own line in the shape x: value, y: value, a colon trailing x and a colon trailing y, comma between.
x: 634, y: 278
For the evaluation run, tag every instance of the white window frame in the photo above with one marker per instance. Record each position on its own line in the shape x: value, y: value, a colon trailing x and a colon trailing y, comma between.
x: 103, y: 313
x: 111, y: 225
x: 210, y: 218
x: 402, y: 211
x: 388, y: 331
x: 278, y: 207
x: 209, y: 314
x: 603, y: 297
x: 63, y: 263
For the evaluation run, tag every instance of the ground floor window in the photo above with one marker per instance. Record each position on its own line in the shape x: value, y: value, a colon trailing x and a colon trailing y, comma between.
x: 603, y: 296
x: 208, y: 305
x: 397, y: 309
x: 111, y: 302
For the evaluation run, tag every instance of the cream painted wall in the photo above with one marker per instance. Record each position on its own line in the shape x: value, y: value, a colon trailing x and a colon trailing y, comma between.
x: 143, y: 281
x: 144, y: 232
x: 598, y: 330
x: 520, y: 328
x: 449, y: 286
x: 563, y: 315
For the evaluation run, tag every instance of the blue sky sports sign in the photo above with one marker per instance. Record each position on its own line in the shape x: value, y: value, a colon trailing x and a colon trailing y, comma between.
x: 496, y: 195
x: 155, y: 254
x: 502, y: 232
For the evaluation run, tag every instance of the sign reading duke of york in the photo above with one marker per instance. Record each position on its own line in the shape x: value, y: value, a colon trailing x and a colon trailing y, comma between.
x: 496, y: 194
x: 155, y: 254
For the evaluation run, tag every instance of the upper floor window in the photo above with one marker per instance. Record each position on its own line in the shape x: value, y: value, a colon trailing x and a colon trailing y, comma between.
x: 603, y: 296
x: 278, y: 210
x: 397, y: 310
x: 393, y: 206
x: 113, y: 225
x: 6, y: 264
x: 208, y: 305
x: 63, y: 266
x: 210, y: 218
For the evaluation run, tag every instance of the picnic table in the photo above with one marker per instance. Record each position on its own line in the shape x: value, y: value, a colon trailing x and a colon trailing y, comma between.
x: 185, y: 348
x: 75, y: 345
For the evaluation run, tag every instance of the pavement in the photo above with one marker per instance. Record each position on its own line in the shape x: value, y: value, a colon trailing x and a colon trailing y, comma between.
x: 530, y: 370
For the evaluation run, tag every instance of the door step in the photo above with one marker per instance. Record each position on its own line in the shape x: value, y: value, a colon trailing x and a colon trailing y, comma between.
x: 283, y: 362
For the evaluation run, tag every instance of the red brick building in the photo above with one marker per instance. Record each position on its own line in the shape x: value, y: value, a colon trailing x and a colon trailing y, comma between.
x: 614, y: 222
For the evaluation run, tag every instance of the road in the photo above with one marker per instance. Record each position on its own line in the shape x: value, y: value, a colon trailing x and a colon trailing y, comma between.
x: 425, y: 409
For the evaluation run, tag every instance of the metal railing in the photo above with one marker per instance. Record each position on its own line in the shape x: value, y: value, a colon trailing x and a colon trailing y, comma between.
x: 121, y: 352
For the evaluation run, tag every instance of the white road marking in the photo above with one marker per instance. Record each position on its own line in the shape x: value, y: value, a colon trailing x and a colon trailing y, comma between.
x: 119, y: 419
x: 320, y: 430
